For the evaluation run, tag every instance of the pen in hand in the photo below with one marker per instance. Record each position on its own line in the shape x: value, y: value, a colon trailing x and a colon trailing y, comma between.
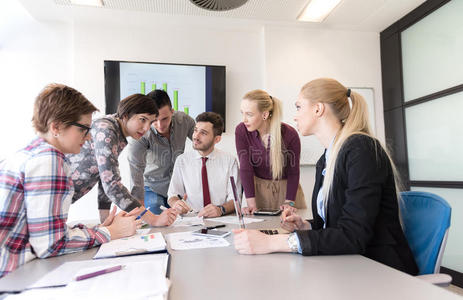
x: 142, y: 214
x: 98, y: 273
x: 181, y: 199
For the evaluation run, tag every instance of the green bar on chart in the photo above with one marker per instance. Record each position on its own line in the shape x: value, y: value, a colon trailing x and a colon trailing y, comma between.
x: 142, y: 88
x: 186, y: 109
x: 153, y: 86
x: 164, y: 87
x: 175, y: 100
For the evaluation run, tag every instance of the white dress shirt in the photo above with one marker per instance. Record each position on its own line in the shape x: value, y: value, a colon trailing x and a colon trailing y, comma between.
x: 186, y: 178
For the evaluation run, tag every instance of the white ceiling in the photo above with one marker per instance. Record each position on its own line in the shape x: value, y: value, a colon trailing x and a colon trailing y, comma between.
x: 361, y: 15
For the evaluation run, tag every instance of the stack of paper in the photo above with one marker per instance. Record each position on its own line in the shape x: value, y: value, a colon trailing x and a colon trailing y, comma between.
x: 141, y: 277
x: 137, y: 280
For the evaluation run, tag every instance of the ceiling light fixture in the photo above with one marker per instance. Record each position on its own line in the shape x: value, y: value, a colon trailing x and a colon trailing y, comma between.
x: 98, y: 3
x: 317, y: 10
x: 219, y: 5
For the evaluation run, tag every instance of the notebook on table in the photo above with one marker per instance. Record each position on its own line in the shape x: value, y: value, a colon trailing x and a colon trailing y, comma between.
x: 136, y: 244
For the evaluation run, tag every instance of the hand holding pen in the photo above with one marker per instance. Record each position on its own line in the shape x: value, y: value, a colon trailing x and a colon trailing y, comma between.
x: 124, y: 224
x: 181, y: 206
x: 144, y: 212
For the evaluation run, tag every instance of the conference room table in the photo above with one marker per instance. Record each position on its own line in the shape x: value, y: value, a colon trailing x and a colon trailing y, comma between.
x: 222, y: 273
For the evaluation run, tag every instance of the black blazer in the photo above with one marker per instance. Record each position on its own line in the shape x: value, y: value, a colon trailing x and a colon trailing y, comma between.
x: 362, y: 213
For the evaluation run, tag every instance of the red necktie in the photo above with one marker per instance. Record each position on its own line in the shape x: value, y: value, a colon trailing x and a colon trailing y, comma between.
x: 206, y: 195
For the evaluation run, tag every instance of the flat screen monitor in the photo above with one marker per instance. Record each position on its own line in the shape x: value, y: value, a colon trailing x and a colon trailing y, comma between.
x: 192, y: 89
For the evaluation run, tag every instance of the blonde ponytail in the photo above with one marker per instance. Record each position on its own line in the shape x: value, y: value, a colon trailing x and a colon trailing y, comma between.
x: 352, y: 111
x: 276, y: 154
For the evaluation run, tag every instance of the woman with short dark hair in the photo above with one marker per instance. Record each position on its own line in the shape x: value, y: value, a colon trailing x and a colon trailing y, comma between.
x: 98, y: 159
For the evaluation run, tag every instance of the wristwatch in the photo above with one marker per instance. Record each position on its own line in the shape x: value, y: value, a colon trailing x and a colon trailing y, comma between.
x: 290, y: 203
x: 222, y: 209
x: 292, y: 242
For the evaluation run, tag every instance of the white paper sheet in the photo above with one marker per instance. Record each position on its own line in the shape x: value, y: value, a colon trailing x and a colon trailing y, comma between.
x: 137, y: 280
x: 142, y: 276
x: 143, y: 231
x: 59, y: 276
x: 188, y: 221
x: 187, y: 241
x: 136, y: 244
x: 234, y: 220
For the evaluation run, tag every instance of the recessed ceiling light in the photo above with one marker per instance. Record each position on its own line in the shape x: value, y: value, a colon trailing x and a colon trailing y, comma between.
x: 88, y: 2
x: 317, y: 10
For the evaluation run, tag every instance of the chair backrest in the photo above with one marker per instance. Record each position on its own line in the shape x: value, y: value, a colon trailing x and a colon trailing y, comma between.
x: 426, y: 220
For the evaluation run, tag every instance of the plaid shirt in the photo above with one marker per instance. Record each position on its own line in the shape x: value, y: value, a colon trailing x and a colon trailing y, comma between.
x: 35, y: 194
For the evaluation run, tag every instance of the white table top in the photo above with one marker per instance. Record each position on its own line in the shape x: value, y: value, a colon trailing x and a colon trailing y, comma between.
x: 221, y: 273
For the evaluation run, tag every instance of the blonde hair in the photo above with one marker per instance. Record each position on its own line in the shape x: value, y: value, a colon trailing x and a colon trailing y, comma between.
x: 353, y: 115
x: 265, y: 102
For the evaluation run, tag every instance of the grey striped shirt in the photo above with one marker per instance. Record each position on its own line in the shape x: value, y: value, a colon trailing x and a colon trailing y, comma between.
x: 152, y: 158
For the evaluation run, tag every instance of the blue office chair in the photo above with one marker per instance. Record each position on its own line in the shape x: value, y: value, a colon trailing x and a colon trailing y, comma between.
x: 426, y: 221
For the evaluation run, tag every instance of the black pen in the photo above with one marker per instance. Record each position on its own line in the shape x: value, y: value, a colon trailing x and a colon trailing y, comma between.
x: 214, y: 227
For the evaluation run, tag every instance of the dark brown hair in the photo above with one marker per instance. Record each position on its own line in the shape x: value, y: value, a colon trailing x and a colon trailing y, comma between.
x: 59, y: 103
x: 136, y: 104
x: 161, y: 98
x: 214, y: 118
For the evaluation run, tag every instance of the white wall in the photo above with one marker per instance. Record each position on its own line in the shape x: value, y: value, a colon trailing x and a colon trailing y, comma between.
x: 32, y: 54
x: 279, y: 58
x: 294, y: 56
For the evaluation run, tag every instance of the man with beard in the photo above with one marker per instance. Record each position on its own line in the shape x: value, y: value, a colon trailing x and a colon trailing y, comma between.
x: 202, y: 177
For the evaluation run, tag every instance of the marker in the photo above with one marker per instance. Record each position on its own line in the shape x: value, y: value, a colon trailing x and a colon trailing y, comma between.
x: 98, y: 273
x: 141, y: 215
x: 162, y: 207
x: 214, y: 227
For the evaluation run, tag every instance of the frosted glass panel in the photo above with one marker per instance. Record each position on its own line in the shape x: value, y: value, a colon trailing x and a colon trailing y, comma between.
x: 453, y: 255
x: 434, y: 139
x: 432, y: 50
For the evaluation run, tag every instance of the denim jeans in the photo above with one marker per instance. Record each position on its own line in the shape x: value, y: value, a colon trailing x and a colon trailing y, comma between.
x: 154, y: 201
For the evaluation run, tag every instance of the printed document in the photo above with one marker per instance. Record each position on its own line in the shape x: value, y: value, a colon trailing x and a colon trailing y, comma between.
x: 187, y: 241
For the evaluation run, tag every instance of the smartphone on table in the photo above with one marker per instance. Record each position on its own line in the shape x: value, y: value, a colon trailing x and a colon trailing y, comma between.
x: 211, y: 232
x: 267, y: 212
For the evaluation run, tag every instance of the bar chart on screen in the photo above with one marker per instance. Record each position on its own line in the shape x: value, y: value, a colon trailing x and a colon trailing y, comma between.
x: 185, y: 85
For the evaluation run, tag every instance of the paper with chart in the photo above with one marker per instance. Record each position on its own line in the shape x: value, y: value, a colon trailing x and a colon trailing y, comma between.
x: 234, y: 220
x: 187, y: 241
x: 141, y: 276
x: 137, y: 244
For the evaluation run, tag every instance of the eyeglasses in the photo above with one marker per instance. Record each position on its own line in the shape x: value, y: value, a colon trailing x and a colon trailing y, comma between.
x: 87, y: 129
